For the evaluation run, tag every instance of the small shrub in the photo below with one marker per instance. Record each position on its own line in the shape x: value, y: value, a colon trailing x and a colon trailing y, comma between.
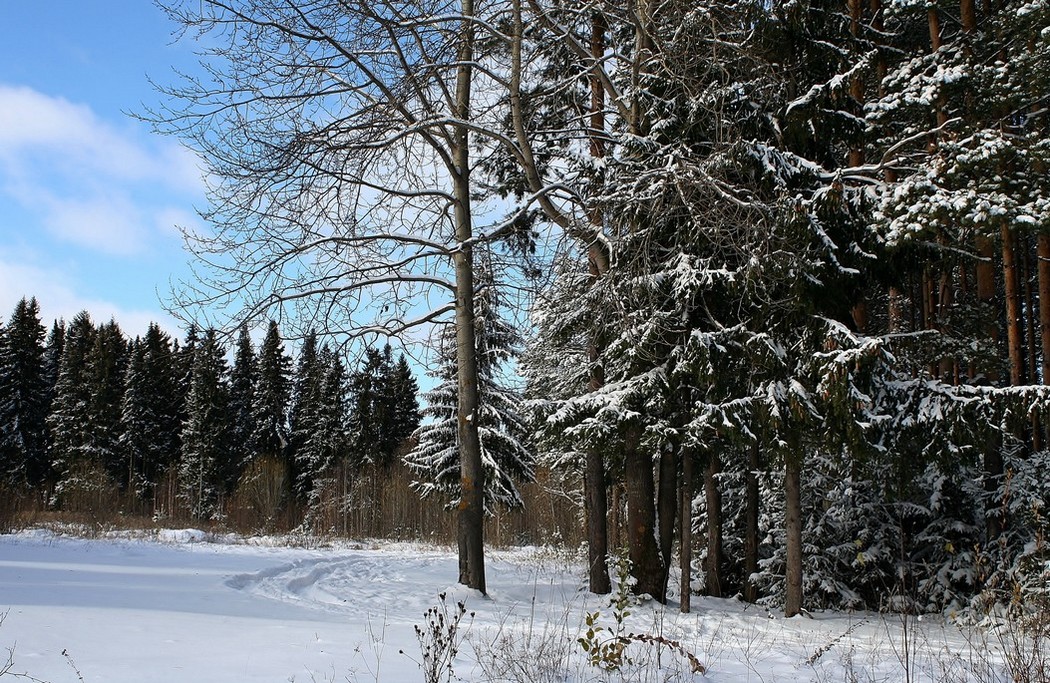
x: 439, y: 640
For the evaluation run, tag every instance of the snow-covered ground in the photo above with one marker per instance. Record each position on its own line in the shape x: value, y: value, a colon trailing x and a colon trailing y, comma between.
x: 179, y: 606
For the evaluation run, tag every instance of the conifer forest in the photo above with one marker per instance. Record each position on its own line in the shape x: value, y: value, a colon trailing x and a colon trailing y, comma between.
x: 759, y: 290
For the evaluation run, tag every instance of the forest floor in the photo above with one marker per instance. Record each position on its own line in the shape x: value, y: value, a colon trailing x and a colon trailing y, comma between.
x: 183, y: 605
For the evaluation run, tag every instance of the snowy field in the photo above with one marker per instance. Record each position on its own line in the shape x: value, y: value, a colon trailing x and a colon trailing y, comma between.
x: 177, y: 606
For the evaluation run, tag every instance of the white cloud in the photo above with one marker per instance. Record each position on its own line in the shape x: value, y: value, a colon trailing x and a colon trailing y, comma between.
x: 59, y: 297
x: 89, y: 182
x: 33, y: 123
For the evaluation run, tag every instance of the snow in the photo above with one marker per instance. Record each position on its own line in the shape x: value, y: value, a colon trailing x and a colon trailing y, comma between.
x: 199, y: 608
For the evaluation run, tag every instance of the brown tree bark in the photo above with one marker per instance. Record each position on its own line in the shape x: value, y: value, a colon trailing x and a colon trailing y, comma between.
x: 993, y: 457
x: 646, y: 564
x: 1014, y: 340
x: 685, y: 533
x: 667, y: 510
x: 471, y: 530
x: 596, y: 508
x: 896, y: 310
x: 1031, y: 352
x: 595, y: 486
x: 793, y: 530
x: 751, y: 512
x: 713, y: 495
x: 595, y: 479
x: 1043, y: 269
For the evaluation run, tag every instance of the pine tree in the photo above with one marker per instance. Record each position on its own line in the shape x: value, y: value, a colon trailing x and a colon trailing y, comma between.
x: 243, y: 380
x: 320, y: 435
x: 304, y: 414
x: 56, y: 341
x: 404, y: 399
x: 149, y: 427
x: 272, y: 396
x: 23, y: 397
x: 106, y: 370
x: 507, y: 456
x: 371, y: 408
x: 205, y: 433
x: 70, y: 417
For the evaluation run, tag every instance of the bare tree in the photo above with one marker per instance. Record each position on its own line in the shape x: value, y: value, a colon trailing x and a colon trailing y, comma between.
x: 338, y: 137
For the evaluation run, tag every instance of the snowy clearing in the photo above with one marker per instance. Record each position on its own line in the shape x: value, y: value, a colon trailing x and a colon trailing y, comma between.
x: 182, y: 606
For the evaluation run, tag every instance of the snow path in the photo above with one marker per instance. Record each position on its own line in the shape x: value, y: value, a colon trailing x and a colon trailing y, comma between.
x: 135, y: 611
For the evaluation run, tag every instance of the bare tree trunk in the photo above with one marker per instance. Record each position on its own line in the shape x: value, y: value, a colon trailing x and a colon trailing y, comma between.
x: 685, y: 534
x: 667, y: 508
x: 752, y: 503
x: 646, y: 565
x: 1013, y: 308
x: 471, y: 534
x: 1029, y: 308
x: 713, y: 495
x: 993, y: 457
x: 615, y: 515
x: 1043, y: 268
x: 596, y: 504
x: 793, y: 530
x: 968, y: 15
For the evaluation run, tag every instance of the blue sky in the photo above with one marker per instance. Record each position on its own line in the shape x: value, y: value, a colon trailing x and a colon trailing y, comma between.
x: 89, y: 197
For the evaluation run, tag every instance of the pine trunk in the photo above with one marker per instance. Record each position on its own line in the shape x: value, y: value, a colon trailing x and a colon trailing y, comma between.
x: 993, y: 458
x: 1043, y: 269
x: 1031, y: 352
x: 667, y: 509
x: 713, y: 495
x: 646, y: 565
x: 793, y: 531
x: 685, y: 534
x: 595, y: 479
x: 751, y: 512
x: 1014, y: 340
x: 597, y: 529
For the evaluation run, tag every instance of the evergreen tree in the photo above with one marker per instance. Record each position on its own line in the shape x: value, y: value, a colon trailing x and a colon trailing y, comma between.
x: 321, y: 425
x: 272, y: 396
x: 243, y: 380
x: 506, y: 454
x: 56, y: 341
x: 304, y: 414
x: 384, y: 404
x: 149, y: 427
x: 106, y: 370
x: 205, y: 433
x: 23, y: 397
x: 70, y: 417
x: 371, y: 408
x: 405, y: 415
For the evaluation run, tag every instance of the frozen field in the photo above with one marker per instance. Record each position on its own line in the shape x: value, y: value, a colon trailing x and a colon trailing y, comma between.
x: 178, y: 607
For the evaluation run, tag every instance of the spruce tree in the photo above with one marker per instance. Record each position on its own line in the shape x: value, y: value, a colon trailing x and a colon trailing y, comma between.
x: 23, y: 397
x: 149, y: 427
x: 106, y: 369
x: 205, y: 433
x: 405, y: 414
x: 507, y: 456
x: 304, y: 414
x: 70, y: 417
x: 272, y: 397
x: 371, y: 408
x: 243, y: 380
x: 320, y: 434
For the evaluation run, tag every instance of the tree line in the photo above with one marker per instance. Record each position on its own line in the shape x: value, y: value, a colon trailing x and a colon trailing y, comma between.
x: 787, y: 261
x: 86, y: 412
